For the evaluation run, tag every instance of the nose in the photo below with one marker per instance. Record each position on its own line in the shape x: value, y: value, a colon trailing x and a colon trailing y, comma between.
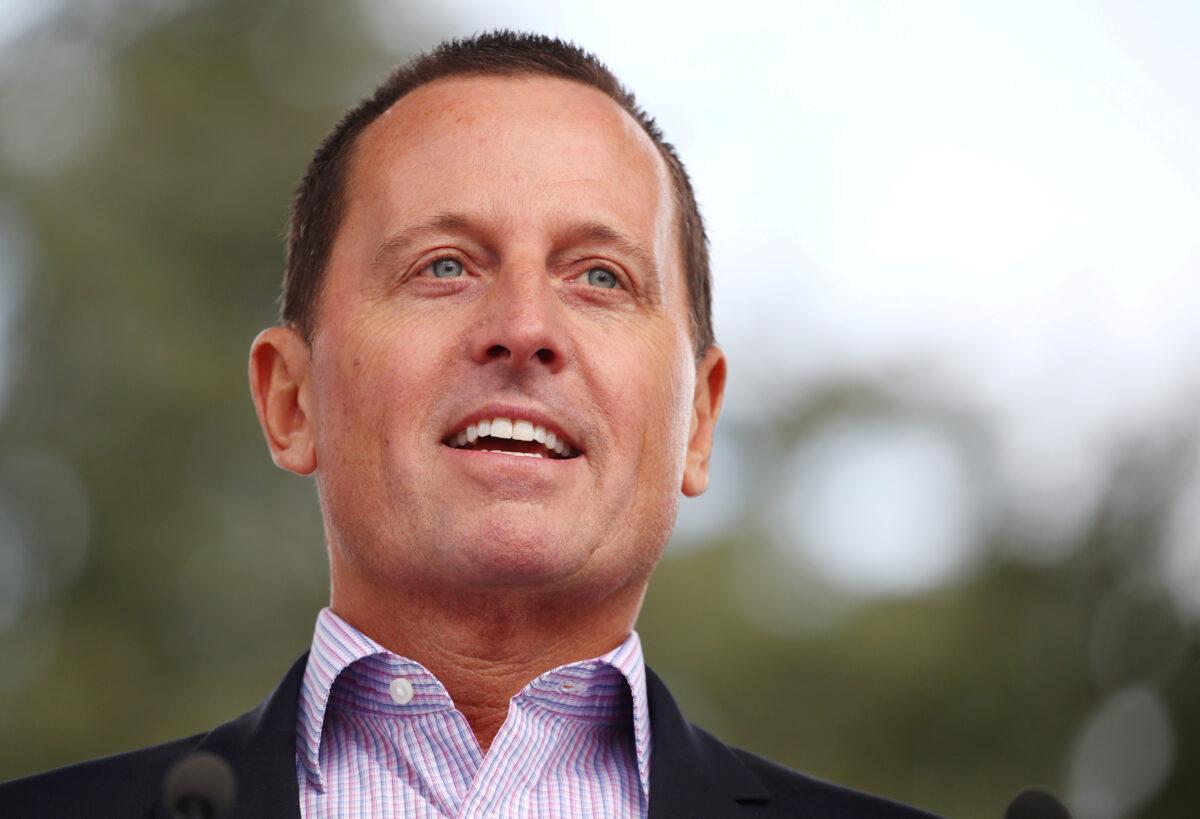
x: 522, y: 323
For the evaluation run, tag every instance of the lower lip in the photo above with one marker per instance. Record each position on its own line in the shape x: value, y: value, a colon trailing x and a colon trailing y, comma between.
x: 504, y: 459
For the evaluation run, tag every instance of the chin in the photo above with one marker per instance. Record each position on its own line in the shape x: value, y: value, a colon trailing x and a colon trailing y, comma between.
x: 516, y: 553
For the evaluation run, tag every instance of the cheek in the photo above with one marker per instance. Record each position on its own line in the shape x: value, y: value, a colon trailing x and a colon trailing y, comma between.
x: 655, y: 396
x: 372, y: 399
x: 675, y: 410
x: 363, y: 392
x: 674, y: 388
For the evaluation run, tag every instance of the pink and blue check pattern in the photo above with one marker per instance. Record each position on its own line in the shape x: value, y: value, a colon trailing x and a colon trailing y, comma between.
x: 576, y: 742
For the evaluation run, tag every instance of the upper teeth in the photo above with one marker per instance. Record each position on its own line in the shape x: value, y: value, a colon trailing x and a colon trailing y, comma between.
x: 517, y: 430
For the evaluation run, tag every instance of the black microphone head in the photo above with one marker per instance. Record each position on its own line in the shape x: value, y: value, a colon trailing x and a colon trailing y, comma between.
x: 199, y: 785
x: 1035, y: 803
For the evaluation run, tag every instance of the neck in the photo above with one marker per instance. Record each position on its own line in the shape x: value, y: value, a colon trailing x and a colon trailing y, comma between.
x: 485, y: 647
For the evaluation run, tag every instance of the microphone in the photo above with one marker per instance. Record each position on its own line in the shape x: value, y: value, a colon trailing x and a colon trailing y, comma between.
x: 199, y: 786
x: 1035, y: 803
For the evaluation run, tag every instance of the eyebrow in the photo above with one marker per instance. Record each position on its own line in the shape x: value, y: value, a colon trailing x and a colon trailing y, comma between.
x: 406, y: 238
x: 598, y: 233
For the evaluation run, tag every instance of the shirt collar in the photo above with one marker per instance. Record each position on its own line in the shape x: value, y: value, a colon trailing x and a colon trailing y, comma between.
x: 349, y: 669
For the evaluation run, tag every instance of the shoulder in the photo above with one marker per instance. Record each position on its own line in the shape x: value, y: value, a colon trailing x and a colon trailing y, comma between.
x: 694, y: 773
x: 793, y: 792
x: 125, y: 784
x: 259, y: 746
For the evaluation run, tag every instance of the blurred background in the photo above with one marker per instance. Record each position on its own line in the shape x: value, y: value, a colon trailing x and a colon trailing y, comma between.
x: 952, y: 544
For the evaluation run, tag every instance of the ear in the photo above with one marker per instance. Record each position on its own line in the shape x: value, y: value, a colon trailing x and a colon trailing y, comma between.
x: 280, y: 384
x: 710, y: 392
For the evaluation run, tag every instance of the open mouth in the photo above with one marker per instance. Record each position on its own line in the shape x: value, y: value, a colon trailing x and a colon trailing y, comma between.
x: 513, y: 436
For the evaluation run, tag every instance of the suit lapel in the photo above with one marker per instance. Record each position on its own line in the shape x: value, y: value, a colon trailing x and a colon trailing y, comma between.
x: 261, y: 748
x: 692, y: 774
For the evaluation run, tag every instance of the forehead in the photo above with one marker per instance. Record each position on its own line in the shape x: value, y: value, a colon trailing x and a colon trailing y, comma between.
x: 522, y: 150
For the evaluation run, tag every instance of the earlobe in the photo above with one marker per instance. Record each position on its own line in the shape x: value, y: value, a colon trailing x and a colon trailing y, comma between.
x: 706, y: 407
x: 279, y: 383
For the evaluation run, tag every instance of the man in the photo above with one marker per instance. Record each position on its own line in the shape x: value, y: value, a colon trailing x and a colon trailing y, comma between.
x: 496, y: 358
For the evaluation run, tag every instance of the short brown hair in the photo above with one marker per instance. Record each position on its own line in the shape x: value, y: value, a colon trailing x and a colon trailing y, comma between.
x: 318, y: 204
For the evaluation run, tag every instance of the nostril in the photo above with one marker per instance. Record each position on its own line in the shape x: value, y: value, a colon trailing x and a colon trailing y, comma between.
x: 545, y: 356
x: 497, y: 351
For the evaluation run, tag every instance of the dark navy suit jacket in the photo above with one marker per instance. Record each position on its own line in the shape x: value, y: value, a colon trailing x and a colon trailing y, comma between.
x: 692, y: 774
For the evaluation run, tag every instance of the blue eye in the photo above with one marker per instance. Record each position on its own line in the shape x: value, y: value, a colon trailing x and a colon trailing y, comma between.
x: 447, y: 268
x: 599, y: 277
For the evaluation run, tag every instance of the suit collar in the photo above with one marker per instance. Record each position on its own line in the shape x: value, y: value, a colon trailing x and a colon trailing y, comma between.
x: 691, y: 772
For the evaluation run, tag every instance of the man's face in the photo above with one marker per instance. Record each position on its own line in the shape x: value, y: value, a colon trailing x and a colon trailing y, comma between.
x: 508, y: 251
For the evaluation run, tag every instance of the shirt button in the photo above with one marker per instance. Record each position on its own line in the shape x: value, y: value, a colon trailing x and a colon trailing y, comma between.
x: 401, y: 691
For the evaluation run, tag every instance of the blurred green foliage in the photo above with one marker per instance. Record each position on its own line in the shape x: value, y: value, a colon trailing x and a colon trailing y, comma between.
x: 173, y: 574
